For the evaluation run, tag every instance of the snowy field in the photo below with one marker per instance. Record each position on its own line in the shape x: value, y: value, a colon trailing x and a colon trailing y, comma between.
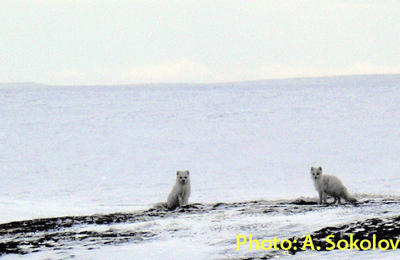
x: 80, y: 151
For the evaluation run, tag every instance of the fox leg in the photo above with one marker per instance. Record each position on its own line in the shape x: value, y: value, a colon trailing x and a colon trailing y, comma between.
x: 181, y: 201
x: 324, y: 195
x: 320, y: 193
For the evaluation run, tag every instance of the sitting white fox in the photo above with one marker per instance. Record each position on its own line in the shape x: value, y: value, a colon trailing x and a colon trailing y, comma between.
x: 179, y: 196
x: 180, y: 193
x: 329, y: 185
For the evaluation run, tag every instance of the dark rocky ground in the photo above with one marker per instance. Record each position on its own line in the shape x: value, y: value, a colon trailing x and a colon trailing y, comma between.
x: 64, y: 233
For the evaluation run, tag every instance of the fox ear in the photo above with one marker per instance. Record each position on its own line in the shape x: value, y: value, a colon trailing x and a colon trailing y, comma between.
x: 312, y: 168
x: 177, y: 172
x: 320, y: 168
x: 187, y: 172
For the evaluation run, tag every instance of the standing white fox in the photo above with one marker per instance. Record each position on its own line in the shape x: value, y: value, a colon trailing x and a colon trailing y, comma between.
x: 329, y: 185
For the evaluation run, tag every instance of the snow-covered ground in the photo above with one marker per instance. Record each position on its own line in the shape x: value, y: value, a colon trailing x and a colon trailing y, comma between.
x: 97, y: 150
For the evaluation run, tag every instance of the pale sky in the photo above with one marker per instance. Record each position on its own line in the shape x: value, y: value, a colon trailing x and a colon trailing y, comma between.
x: 90, y: 42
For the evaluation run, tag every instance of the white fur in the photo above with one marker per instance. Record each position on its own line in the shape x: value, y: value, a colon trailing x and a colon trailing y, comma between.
x: 329, y: 185
x: 180, y: 193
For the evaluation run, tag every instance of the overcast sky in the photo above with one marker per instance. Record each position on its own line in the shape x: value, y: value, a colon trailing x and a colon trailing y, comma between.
x: 69, y: 42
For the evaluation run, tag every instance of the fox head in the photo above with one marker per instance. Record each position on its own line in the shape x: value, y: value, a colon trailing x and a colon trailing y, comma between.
x: 316, y: 172
x: 182, y: 176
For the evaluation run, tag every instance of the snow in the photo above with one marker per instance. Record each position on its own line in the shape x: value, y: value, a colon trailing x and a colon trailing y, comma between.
x: 104, y: 149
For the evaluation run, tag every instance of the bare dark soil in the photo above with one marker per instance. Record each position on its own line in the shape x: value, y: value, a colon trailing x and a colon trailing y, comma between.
x: 64, y: 233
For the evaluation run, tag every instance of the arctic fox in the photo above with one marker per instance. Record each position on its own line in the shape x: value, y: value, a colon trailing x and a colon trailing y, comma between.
x: 180, y: 193
x: 329, y: 185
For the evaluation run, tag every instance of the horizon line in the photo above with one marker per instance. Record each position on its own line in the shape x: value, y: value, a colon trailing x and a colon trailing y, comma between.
x: 192, y: 83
